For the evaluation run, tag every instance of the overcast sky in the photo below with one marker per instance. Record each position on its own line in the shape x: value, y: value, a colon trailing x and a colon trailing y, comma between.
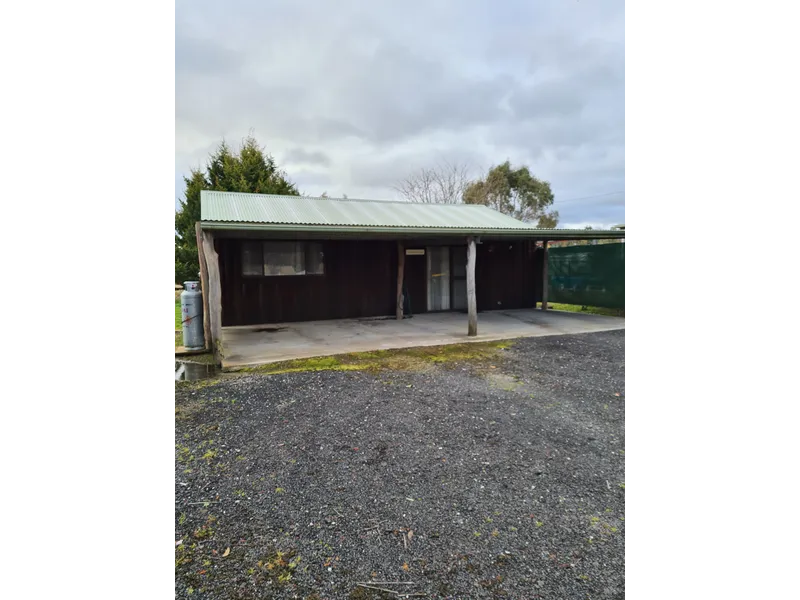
x: 351, y: 96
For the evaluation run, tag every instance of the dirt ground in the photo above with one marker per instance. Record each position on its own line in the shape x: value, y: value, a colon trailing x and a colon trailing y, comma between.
x: 493, y: 472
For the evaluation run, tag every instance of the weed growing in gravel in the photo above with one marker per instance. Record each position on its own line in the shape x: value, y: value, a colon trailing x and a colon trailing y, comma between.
x: 184, y: 554
x: 278, y: 567
x: 185, y: 454
x: 205, y: 531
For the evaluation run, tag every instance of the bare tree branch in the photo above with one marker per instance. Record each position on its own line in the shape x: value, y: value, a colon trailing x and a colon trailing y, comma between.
x: 442, y: 184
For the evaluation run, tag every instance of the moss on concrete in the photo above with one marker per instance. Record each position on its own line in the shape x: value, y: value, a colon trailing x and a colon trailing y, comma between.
x: 402, y: 359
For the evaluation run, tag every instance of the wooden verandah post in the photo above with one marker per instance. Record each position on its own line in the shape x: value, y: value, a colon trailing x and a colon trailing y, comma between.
x: 214, y: 294
x: 472, y: 305
x: 203, y: 285
x: 401, y: 261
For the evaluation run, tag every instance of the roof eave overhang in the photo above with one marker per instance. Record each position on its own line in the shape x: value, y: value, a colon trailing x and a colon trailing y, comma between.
x: 538, y: 234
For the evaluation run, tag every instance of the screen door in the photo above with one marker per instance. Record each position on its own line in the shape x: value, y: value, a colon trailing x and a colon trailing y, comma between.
x: 438, y: 277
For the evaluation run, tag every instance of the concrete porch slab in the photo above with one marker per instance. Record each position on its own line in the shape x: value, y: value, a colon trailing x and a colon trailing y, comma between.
x: 261, y: 344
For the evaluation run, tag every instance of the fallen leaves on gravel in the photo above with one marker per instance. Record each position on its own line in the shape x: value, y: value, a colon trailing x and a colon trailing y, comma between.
x: 227, y: 552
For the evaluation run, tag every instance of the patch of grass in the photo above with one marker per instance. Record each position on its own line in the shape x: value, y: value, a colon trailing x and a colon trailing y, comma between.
x: 591, y: 310
x: 178, y: 316
x: 204, y: 383
x: 322, y: 363
x: 504, y: 382
x: 185, y: 410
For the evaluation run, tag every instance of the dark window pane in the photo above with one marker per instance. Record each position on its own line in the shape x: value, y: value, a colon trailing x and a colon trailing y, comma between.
x: 252, y: 263
x: 284, y: 258
x: 315, y: 265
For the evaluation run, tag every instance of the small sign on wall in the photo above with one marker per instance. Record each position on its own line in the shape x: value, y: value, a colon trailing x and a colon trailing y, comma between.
x: 415, y: 251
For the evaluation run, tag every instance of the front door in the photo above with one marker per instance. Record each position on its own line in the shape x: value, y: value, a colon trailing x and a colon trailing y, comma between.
x: 438, y: 277
x: 459, y: 277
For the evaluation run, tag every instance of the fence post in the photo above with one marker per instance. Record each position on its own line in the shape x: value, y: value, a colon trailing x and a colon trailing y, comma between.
x: 544, y: 276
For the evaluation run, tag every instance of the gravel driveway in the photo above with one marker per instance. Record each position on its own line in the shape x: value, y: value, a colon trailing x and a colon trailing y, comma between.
x: 494, y: 478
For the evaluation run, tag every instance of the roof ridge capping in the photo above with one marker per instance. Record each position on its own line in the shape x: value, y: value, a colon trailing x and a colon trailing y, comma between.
x: 328, y: 198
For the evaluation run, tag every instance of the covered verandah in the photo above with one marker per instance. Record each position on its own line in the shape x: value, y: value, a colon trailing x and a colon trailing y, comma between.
x: 249, y: 345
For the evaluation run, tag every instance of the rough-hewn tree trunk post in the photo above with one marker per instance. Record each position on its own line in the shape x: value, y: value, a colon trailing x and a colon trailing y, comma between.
x: 214, y: 294
x: 544, y: 276
x: 201, y: 256
x: 401, y: 262
x: 472, y: 304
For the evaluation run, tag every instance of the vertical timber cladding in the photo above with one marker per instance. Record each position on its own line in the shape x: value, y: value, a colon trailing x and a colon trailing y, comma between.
x: 508, y: 275
x: 359, y: 280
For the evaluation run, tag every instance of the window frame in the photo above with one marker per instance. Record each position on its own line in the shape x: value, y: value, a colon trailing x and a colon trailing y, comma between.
x: 305, y: 244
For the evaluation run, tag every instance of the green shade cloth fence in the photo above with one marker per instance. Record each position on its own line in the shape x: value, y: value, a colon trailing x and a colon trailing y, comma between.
x: 587, y: 275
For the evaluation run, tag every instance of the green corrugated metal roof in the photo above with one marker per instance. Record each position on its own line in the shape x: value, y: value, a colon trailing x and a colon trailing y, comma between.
x: 300, y: 210
x: 273, y: 212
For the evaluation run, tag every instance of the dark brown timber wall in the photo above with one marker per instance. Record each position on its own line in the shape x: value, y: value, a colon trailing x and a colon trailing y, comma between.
x: 360, y: 280
x: 508, y: 275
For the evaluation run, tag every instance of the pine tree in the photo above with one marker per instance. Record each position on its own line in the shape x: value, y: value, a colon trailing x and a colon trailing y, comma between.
x: 249, y: 170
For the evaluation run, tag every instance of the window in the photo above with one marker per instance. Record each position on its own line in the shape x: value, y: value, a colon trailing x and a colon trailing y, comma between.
x: 252, y: 262
x: 282, y: 258
x: 314, y: 262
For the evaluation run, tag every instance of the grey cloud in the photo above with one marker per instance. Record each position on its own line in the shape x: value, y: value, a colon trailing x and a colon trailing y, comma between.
x: 299, y: 155
x: 378, y: 170
x: 304, y: 179
x: 386, y: 87
x: 203, y: 57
